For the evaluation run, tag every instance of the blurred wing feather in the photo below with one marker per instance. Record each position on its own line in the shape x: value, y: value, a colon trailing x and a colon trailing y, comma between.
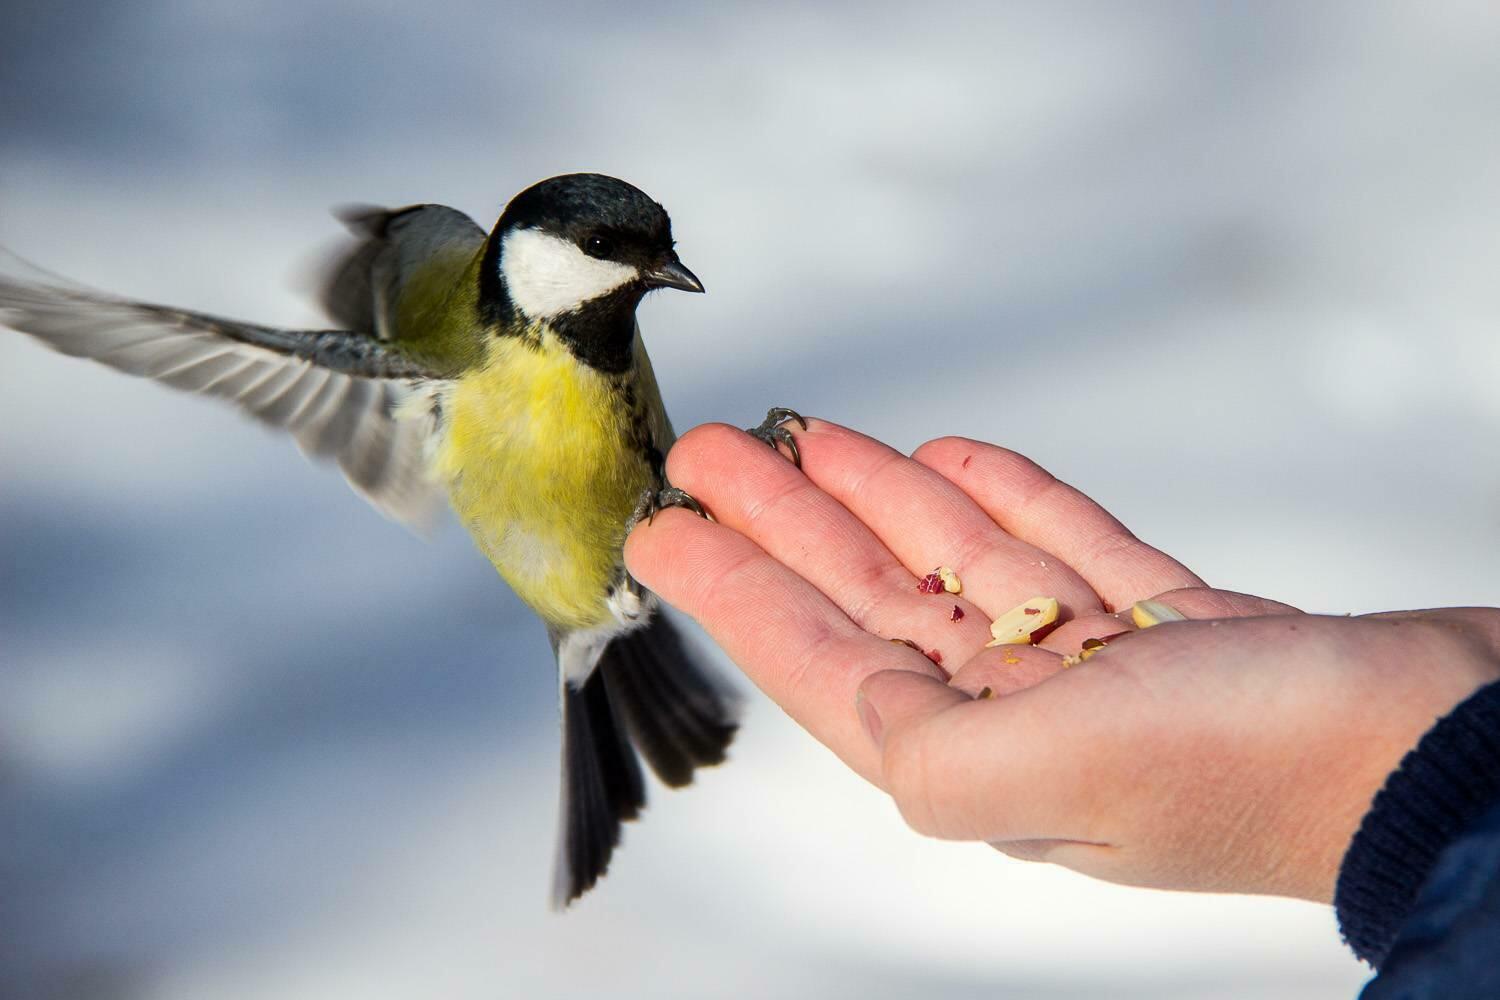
x: 337, y: 393
x: 364, y: 283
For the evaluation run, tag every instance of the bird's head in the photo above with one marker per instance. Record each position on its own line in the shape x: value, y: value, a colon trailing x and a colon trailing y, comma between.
x: 585, y: 243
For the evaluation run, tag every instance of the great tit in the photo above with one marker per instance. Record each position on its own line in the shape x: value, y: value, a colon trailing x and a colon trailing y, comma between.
x: 507, y: 371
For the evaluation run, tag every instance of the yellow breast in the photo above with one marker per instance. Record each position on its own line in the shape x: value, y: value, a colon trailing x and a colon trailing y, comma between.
x: 541, y: 468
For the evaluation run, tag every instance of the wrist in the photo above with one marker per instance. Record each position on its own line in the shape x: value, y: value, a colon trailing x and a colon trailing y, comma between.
x: 1440, y: 788
x: 1400, y: 675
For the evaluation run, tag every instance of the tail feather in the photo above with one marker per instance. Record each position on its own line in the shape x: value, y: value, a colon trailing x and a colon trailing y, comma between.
x: 679, y: 717
x: 602, y: 786
x: 646, y: 691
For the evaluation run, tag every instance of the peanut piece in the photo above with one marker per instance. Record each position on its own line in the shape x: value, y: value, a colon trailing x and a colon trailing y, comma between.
x: 950, y: 580
x: 1017, y: 624
x: 1148, y: 613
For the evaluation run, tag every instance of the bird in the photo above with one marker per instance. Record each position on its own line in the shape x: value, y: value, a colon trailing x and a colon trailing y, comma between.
x: 503, y: 370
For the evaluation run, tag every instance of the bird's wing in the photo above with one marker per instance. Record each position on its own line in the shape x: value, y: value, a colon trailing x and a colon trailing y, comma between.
x: 394, y: 254
x: 337, y: 392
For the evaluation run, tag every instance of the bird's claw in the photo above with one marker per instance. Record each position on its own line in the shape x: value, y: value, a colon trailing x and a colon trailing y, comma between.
x: 654, y: 500
x: 773, y: 431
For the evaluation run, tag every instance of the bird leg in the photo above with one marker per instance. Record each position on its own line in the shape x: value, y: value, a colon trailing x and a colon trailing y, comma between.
x: 773, y: 431
x: 653, y: 500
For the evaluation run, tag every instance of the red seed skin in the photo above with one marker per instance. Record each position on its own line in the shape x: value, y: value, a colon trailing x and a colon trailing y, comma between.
x: 958, y: 614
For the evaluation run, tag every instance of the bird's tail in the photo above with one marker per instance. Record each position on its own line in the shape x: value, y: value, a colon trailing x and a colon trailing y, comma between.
x: 646, y: 694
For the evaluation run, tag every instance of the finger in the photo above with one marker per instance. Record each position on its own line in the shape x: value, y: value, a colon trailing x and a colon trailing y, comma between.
x: 1069, y: 637
x: 903, y: 702
x: 1206, y: 602
x: 1196, y: 603
x: 998, y: 769
x: 756, y: 491
x: 787, y: 637
x: 927, y: 521
x: 1026, y: 501
x: 1004, y: 670
x: 888, y: 706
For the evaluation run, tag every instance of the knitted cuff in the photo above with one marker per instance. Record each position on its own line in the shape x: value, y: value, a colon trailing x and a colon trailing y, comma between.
x: 1441, y: 787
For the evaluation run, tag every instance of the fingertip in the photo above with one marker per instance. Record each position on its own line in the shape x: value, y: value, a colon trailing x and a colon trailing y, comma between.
x: 1004, y: 670
x: 1069, y: 637
x: 953, y: 456
x: 649, y: 543
x: 906, y: 697
x: 701, y: 453
x: 832, y: 441
x: 996, y: 478
x: 950, y: 450
x: 641, y: 554
x: 1206, y: 602
x: 817, y: 426
x: 894, y: 707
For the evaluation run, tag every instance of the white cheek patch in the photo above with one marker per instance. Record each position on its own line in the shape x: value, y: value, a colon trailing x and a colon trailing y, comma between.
x: 547, y: 276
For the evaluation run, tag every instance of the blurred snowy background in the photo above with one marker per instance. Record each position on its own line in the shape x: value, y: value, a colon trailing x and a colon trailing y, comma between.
x: 1230, y: 268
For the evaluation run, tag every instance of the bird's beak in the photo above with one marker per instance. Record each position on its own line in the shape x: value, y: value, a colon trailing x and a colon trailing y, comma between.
x: 673, y: 275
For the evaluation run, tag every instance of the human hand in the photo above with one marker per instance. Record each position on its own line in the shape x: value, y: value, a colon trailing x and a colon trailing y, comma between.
x: 1236, y: 752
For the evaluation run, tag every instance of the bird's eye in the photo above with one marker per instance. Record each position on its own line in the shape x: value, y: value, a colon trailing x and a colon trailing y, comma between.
x: 598, y: 246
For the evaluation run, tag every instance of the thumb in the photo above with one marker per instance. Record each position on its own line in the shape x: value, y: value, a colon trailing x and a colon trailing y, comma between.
x: 897, y: 699
x: 895, y: 706
x: 961, y: 768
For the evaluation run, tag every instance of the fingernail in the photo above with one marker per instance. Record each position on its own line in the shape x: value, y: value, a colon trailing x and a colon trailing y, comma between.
x: 868, y: 717
x: 1148, y: 613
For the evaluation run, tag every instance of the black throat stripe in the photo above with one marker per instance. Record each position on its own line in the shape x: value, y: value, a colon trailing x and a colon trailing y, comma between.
x: 600, y: 333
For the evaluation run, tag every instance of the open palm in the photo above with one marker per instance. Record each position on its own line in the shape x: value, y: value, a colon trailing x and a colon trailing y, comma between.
x: 1236, y: 751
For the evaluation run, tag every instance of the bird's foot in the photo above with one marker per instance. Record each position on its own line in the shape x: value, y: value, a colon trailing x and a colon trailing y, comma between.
x: 773, y: 431
x: 654, y: 500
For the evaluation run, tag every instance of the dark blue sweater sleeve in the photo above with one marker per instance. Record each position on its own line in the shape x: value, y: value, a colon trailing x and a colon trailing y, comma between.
x: 1449, y: 947
x: 1418, y: 894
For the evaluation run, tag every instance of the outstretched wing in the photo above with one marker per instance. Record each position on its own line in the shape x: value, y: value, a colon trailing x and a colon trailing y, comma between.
x: 338, y: 393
